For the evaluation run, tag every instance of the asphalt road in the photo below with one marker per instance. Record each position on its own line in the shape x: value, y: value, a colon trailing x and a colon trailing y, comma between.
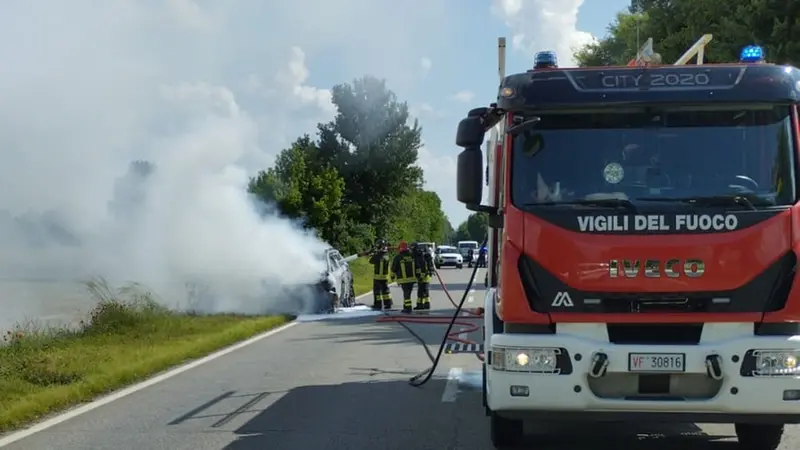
x: 338, y: 385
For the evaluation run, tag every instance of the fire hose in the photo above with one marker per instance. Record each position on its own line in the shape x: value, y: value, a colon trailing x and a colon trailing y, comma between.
x: 463, y: 321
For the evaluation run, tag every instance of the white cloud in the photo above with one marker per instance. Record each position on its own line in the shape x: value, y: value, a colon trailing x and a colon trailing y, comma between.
x: 440, y: 176
x: 189, y: 13
x: 425, y: 112
x: 543, y: 25
x: 464, y: 96
x: 425, y: 64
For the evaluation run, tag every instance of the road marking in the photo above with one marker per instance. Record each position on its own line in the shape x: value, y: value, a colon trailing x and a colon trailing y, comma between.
x: 459, y: 347
x: 61, y: 418
x: 451, y: 388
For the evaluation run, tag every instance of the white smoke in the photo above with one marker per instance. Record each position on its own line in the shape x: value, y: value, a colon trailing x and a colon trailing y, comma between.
x: 539, y: 25
x: 86, y: 89
x: 208, y: 92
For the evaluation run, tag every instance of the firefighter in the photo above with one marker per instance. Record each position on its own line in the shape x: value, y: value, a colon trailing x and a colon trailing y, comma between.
x: 379, y: 258
x: 482, y: 257
x: 423, y: 263
x: 404, y: 273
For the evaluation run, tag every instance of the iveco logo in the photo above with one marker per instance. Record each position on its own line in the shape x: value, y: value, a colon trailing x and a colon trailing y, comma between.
x: 653, y: 268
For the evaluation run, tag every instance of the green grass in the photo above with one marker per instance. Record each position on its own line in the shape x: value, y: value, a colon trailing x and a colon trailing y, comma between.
x: 362, y: 275
x: 129, y: 337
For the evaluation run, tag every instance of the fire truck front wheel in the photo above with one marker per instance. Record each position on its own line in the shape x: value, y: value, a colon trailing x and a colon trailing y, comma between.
x: 758, y: 436
x: 505, y: 432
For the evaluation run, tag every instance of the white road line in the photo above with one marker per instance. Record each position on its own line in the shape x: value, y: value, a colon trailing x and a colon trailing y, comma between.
x: 451, y: 388
x: 471, y: 297
x: 61, y: 418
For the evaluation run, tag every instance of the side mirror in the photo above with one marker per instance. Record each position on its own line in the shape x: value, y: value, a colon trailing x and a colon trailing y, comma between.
x: 470, y: 176
x: 470, y: 133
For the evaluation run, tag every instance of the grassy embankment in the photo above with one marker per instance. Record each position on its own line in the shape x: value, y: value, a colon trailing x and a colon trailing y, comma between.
x: 362, y: 275
x: 129, y: 337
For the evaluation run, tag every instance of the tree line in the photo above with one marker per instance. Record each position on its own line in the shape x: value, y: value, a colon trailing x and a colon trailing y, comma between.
x: 675, y: 25
x: 357, y: 179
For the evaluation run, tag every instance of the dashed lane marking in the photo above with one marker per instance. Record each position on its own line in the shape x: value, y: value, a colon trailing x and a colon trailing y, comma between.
x: 450, y: 392
x: 459, y: 347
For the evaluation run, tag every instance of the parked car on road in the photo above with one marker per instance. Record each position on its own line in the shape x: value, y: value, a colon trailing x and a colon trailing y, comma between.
x: 448, y: 256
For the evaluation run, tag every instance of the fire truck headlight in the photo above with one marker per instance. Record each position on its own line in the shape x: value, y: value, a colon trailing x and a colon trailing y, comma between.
x: 776, y: 362
x: 532, y: 360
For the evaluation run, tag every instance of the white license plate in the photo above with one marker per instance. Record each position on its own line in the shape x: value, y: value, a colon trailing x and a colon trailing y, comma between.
x: 656, y: 362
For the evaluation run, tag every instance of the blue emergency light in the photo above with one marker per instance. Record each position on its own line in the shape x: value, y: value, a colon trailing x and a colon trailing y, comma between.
x: 751, y: 54
x: 545, y: 59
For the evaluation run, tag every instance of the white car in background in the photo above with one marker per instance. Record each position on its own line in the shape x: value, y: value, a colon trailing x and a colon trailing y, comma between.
x: 465, y: 246
x: 448, y: 256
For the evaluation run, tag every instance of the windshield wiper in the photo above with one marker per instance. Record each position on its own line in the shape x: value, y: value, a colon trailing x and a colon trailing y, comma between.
x: 748, y: 200
x: 601, y: 202
x: 524, y: 126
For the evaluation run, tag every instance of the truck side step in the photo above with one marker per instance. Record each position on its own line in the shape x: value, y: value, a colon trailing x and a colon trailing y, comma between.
x: 458, y: 347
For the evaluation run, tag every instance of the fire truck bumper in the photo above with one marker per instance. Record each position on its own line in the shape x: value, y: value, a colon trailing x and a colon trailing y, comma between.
x: 731, y: 376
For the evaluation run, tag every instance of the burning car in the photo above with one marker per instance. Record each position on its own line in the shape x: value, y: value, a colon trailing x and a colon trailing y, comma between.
x: 335, y: 287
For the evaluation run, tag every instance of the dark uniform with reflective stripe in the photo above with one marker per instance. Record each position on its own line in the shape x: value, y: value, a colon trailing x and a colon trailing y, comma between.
x: 404, y: 271
x: 423, y: 263
x: 380, y: 280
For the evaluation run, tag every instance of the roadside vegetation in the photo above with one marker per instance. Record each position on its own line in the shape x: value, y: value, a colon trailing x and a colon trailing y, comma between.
x: 362, y: 276
x: 128, y: 337
x: 676, y: 25
x: 358, y: 178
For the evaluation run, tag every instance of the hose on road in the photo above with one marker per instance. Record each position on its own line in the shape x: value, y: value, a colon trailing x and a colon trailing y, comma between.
x: 423, y: 377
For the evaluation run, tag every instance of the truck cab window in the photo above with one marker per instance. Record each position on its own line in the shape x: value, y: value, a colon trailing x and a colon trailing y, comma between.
x: 684, y: 152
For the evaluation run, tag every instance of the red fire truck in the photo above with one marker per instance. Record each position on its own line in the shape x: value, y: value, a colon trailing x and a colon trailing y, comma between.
x: 643, y: 243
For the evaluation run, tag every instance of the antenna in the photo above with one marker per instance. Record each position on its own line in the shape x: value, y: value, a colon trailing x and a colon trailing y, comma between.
x: 637, y: 8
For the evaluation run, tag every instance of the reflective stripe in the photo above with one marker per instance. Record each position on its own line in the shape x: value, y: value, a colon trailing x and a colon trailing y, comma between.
x: 380, y: 268
x: 406, y: 269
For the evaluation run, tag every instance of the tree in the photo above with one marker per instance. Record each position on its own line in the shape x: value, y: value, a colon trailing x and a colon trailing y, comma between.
x: 419, y: 217
x: 301, y: 188
x: 373, y: 147
x: 358, y: 179
x: 475, y: 228
x: 675, y: 25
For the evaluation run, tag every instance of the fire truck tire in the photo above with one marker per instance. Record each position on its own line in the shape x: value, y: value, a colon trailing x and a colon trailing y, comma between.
x: 758, y: 436
x: 505, y: 432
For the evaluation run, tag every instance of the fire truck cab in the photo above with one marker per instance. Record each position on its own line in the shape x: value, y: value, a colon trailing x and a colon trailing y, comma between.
x: 643, y: 244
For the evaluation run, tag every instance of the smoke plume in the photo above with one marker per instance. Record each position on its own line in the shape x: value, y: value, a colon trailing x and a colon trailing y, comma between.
x: 88, y: 89
x: 202, y: 94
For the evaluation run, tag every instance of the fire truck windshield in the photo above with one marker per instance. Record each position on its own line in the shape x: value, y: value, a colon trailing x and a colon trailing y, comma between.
x: 654, y: 155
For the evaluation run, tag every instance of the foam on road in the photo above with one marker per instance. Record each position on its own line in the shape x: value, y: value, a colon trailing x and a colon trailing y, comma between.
x: 337, y: 385
x: 353, y: 312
